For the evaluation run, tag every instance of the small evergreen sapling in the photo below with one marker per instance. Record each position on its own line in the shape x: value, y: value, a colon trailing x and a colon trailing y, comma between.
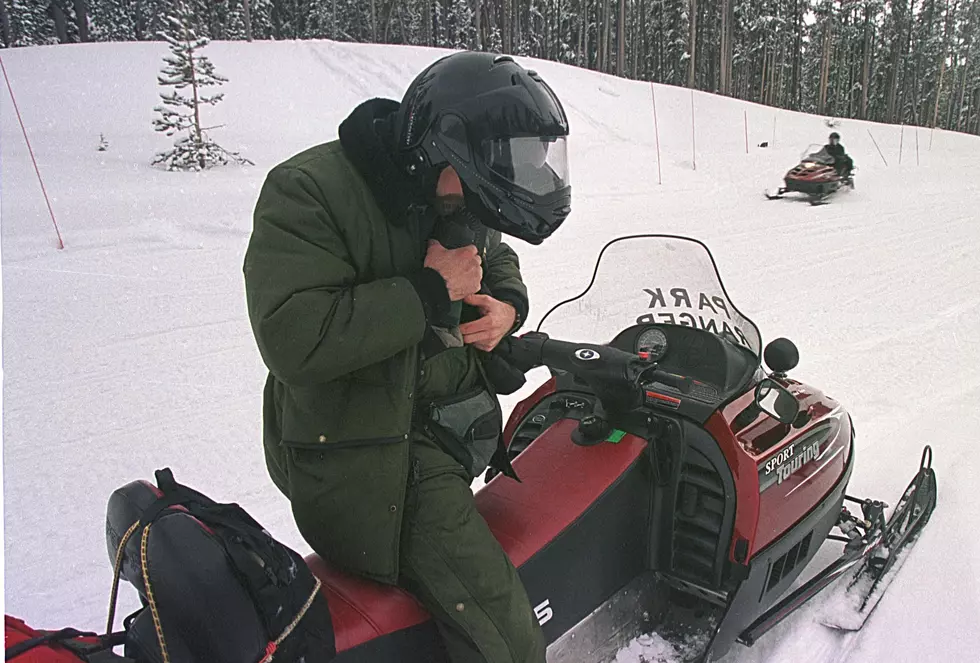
x: 188, y: 71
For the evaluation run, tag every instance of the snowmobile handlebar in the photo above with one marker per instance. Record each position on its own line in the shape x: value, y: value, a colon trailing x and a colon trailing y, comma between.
x: 616, y: 376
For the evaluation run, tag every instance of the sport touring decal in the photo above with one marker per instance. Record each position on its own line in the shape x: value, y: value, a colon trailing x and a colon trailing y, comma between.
x: 792, y: 458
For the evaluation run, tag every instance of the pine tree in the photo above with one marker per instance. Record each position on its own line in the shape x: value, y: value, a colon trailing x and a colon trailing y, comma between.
x: 185, y: 68
x: 236, y: 22
x: 112, y: 20
x: 30, y: 24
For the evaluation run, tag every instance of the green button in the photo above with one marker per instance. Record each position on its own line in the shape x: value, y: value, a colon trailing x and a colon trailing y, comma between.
x: 616, y: 436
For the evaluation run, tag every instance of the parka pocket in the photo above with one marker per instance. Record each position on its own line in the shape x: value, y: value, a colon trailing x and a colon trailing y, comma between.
x: 467, y: 427
x: 345, y: 413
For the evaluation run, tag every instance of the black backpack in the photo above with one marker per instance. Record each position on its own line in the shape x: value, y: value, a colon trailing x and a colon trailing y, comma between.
x: 215, y: 586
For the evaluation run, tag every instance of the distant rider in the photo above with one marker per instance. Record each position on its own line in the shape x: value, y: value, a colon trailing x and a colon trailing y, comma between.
x: 843, y: 164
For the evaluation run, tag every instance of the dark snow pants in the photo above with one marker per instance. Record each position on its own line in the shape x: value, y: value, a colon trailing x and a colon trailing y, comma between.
x: 451, y: 561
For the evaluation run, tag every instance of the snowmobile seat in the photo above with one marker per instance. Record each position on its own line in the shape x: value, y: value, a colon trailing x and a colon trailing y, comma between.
x: 525, y: 517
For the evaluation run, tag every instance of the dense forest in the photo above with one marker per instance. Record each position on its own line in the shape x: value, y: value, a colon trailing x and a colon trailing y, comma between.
x: 913, y: 61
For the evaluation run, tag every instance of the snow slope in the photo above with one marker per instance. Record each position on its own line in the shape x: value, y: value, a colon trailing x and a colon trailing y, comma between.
x: 130, y: 350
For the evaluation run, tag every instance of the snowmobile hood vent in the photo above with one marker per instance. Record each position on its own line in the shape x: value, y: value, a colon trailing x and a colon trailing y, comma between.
x: 698, y: 522
x: 783, y: 566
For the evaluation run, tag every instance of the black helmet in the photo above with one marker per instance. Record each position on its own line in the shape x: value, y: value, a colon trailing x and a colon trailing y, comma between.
x: 503, y: 131
x: 835, y: 136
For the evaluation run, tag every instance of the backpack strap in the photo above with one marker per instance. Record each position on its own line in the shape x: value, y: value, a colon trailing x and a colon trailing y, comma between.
x: 64, y: 637
x: 47, y: 638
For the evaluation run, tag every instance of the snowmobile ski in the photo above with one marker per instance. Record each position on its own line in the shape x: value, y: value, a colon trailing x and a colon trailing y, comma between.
x: 872, y: 544
x: 879, y: 569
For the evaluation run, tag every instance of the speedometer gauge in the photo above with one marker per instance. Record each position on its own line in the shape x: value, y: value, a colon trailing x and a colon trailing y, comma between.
x: 653, y: 341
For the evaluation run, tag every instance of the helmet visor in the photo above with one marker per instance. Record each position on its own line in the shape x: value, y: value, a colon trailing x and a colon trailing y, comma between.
x: 538, y: 165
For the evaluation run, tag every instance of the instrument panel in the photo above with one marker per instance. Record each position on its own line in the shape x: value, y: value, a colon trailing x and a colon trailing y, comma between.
x: 717, y: 369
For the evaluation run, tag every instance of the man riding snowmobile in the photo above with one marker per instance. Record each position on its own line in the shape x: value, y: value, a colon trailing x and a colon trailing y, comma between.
x: 843, y: 164
x: 376, y: 329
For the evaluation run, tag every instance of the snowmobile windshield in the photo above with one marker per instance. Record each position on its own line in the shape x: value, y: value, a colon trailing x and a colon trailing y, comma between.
x: 817, y: 154
x: 535, y: 164
x: 656, y: 279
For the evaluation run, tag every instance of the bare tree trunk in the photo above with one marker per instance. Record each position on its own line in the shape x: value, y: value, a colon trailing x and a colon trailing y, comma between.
x: 607, y: 35
x: 247, y: 15
x: 660, y: 71
x: 866, y: 65
x: 386, y: 11
x: 939, y: 91
x: 764, y: 74
x: 600, y: 36
x: 970, y: 39
x: 640, y: 42
x: 374, y: 23
x: 898, y: 8
x: 773, y: 70
x: 401, y: 24
x: 477, y: 24
x: 942, y: 63
x: 828, y: 42
x: 517, y: 33
x: 60, y: 22
x: 4, y: 23
x: 81, y: 19
x: 966, y: 76
x: 621, y: 40
x: 780, y: 99
x: 904, y: 87
x: 692, y: 44
x: 797, y: 83
x: 585, y: 30
x: 725, y: 60
x: 138, y: 21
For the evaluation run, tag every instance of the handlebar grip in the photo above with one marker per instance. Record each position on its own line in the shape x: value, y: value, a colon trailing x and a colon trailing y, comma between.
x: 523, y: 352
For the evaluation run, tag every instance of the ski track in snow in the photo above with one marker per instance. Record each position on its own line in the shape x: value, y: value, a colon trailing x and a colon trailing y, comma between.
x: 130, y: 350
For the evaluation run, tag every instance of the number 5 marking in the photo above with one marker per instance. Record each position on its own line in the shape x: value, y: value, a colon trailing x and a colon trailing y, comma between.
x: 543, y: 612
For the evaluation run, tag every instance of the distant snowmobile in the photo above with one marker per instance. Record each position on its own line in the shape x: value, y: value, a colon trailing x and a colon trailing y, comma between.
x: 814, y: 176
x: 669, y: 485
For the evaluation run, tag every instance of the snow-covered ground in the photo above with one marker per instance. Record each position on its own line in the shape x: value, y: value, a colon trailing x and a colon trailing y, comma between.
x: 130, y: 349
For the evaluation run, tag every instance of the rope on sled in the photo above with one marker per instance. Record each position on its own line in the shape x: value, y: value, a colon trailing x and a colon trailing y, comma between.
x: 149, y: 596
x: 116, y: 572
x: 270, y: 651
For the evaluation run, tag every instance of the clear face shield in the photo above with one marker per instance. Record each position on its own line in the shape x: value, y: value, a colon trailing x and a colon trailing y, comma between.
x: 538, y: 165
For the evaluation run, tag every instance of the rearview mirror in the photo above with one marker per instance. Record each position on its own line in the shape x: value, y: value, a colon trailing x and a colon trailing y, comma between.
x: 776, y: 401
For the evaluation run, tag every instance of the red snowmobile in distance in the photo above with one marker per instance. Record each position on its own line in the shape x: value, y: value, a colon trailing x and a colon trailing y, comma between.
x: 670, y: 484
x: 814, y: 176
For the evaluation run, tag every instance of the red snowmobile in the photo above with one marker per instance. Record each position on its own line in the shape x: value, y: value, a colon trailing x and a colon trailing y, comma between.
x: 668, y: 485
x: 814, y: 176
